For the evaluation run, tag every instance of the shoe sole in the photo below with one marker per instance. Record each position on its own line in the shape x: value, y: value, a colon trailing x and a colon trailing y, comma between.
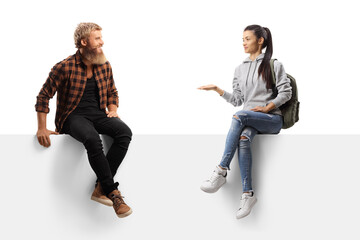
x: 125, y: 214
x: 212, y: 190
x: 102, y: 201
x: 249, y: 211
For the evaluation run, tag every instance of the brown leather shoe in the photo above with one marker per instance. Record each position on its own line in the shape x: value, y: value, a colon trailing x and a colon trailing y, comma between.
x: 120, y: 207
x: 99, y: 196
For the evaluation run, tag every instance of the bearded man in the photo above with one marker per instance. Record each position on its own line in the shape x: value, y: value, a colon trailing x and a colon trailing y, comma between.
x: 87, y: 102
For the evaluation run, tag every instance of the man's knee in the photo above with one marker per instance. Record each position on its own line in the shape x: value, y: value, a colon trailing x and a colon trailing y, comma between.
x: 123, y: 133
x: 128, y: 131
x: 92, y: 141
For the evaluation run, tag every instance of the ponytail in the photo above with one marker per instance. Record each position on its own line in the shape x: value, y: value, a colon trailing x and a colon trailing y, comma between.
x: 264, y: 68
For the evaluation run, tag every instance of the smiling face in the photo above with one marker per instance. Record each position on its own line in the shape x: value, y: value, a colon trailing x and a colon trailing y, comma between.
x: 92, y: 48
x: 95, y: 41
x: 250, y: 43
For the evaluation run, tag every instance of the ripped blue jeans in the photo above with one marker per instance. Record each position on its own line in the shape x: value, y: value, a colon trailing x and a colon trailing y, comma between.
x: 247, y: 124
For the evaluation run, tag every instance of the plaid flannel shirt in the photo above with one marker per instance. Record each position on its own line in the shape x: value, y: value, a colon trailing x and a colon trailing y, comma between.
x: 68, y: 79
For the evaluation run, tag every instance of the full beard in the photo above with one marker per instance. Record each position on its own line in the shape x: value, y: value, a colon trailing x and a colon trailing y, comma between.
x: 93, y: 56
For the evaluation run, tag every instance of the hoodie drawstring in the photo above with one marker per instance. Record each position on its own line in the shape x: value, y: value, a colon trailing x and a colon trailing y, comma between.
x: 252, y: 80
x: 248, y: 75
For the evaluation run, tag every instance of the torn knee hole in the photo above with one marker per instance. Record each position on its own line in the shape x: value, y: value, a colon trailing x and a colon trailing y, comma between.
x: 244, y: 138
x: 236, y: 117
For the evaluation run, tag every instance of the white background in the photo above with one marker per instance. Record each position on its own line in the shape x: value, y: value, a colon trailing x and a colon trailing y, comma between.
x: 161, y: 51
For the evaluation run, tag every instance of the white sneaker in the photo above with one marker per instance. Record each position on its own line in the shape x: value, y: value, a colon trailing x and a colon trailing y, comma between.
x: 217, y: 179
x: 247, y: 201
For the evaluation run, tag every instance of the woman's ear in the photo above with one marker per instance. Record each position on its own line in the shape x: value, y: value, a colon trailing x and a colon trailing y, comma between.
x: 260, y: 41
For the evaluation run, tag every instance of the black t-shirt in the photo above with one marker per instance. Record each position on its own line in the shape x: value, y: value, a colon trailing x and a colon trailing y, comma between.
x: 90, y: 98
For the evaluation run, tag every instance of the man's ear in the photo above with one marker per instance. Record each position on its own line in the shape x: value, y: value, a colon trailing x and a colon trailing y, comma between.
x: 83, y: 42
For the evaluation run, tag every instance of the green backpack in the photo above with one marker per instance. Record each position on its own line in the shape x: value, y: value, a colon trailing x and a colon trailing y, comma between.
x: 290, y: 109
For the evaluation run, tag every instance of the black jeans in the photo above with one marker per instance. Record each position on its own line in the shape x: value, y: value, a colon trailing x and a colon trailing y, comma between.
x: 86, y: 127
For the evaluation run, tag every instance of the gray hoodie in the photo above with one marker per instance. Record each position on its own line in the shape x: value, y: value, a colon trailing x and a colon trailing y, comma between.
x: 250, y: 89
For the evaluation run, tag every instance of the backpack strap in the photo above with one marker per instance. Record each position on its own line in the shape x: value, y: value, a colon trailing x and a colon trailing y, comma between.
x: 272, y: 70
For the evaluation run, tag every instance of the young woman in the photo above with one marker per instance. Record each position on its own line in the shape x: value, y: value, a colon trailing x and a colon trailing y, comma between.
x: 254, y: 89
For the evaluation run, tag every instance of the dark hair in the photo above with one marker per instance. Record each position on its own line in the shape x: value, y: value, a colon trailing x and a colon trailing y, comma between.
x: 264, y: 68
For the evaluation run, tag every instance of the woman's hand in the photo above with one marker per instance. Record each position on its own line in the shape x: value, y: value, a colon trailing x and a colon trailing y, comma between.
x: 212, y: 87
x: 266, y: 109
x: 259, y: 109
x: 208, y: 87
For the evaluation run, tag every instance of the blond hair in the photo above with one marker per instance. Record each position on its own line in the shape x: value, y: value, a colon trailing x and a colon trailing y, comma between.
x: 83, y: 31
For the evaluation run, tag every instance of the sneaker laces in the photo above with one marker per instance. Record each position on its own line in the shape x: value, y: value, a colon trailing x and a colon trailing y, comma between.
x: 117, y: 199
x: 243, y: 200
x: 214, y: 177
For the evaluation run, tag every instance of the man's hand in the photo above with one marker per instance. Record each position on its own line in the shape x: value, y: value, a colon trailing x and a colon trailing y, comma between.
x: 112, y: 111
x: 111, y: 114
x: 43, y: 136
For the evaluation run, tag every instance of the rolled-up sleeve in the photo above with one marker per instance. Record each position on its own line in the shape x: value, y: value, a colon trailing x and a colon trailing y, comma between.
x: 282, y: 85
x: 236, y: 98
x: 48, y: 90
